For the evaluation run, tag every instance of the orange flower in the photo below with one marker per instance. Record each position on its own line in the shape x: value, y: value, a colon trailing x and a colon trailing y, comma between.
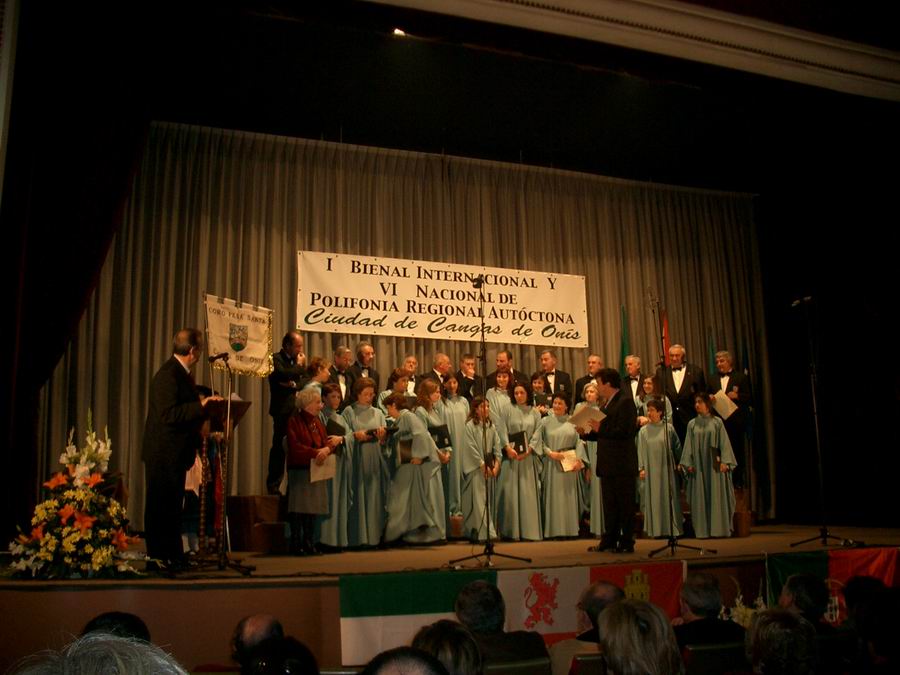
x: 120, y: 539
x: 37, y: 533
x: 22, y: 539
x: 71, y: 468
x: 83, y: 521
x: 93, y: 480
x: 65, y: 513
x: 56, y: 481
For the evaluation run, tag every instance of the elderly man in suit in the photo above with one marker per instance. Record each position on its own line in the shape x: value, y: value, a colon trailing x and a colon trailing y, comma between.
x: 556, y: 381
x: 171, y: 440
x: 681, y: 381
x: 736, y: 386
x: 286, y: 379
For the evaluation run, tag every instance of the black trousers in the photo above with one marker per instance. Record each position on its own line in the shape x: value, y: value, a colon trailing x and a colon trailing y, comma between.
x: 618, y: 508
x: 276, y: 452
x: 162, y: 515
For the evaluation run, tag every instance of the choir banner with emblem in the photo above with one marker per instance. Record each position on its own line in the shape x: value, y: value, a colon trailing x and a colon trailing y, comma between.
x: 243, y: 332
x: 382, y: 611
x: 342, y: 293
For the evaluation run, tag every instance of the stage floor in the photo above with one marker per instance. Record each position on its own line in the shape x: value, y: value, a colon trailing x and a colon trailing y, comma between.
x: 763, y: 539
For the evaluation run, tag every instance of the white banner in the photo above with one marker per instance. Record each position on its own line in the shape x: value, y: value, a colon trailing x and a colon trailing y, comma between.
x: 244, y: 332
x: 339, y: 293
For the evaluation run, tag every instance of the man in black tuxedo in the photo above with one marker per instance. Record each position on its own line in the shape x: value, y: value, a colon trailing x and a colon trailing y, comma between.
x: 505, y: 364
x: 681, y: 381
x: 470, y: 384
x: 633, y: 383
x: 171, y: 440
x: 736, y: 386
x: 339, y: 373
x: 440, y: 369
x: 285, y: 380
x: 617, y: 463
x: 555, y: 381
x: 411, y: 366
x: 365, y: 365
x: 594, y: 364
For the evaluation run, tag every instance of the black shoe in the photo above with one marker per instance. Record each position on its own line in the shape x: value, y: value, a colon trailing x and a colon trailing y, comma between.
x: 625, y: 548
x: 603, y: 546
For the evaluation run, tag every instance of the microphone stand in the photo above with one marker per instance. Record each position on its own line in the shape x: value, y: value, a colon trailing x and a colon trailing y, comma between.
x: 672, y: 544
x: 488, y: 552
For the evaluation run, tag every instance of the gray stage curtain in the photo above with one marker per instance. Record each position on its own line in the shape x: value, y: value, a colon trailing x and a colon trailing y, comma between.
x: 225, y: 212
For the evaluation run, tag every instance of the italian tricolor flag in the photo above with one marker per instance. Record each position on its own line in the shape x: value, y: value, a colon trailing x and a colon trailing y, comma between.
x: 382, y: 611
x: 835, y: 567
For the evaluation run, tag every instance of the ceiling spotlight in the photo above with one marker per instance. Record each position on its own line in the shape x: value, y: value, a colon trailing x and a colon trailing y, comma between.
x: 399, y: 32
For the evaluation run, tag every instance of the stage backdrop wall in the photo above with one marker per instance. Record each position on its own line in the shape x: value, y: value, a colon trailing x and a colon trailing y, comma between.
x: 225, y: 212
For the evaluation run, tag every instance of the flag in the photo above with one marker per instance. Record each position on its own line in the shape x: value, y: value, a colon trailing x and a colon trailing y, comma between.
x: 242, y: 332
x: 666, y: 342
x: 624, y: 342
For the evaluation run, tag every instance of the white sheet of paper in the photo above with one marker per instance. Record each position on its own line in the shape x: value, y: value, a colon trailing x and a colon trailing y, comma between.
x: 723, y: 405
x: 323, y: 472
x: 569, y: 459
x: 586, y: 414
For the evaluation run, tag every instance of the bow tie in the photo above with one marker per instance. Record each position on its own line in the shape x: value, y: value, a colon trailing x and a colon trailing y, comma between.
x: 675, y: 369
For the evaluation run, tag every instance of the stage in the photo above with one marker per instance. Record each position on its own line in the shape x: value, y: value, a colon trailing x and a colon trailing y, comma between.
x: 194, y: 614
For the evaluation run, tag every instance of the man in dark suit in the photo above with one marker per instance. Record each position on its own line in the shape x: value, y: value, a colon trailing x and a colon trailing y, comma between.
x: 171, y: 440
x: 633, y: 382
x: 470, y: 383
x: 555, y: 381
x: 505, y: 364
x: 480, y: 608
x: 701, y: 602
x: 287, y: 377
x: 736, y: 386
x: 594, y: 364
x: 440, y: 368
x: 681, y: 381
x: 365, y: 365
x: 617, y: 463
x: 340, y: 375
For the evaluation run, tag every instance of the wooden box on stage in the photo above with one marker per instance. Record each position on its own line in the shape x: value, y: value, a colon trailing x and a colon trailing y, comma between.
x: 256, y: 524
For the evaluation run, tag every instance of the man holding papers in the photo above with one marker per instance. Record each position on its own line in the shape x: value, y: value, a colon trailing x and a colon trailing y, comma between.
x: 735, y: 386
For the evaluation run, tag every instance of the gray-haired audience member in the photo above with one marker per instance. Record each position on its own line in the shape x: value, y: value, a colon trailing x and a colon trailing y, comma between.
x: 120, y: 624
x: 807, y: 595
x: 404, y: 661
x: 101, y: 653
x: 251, y: 631
x: 781, y: 642
x: 701, y: 602
x: 594, y: 599
x: 636, y: 639
x: 452, y: 644
x: 481, y: 609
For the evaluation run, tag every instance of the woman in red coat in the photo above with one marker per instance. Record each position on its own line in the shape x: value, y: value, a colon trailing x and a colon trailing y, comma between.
x: 307, y: 441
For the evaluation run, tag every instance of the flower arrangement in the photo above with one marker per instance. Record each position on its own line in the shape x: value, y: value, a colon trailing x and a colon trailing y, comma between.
x: 741, y: 613
x: 78, y: 530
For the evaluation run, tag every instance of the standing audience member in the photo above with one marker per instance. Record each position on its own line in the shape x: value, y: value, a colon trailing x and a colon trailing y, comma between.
x: 781, y: 642
x: 701, y: 602
x: 594, y: 599
x: 481, y: 609
x: 636, y: 639
x: 452, y: 644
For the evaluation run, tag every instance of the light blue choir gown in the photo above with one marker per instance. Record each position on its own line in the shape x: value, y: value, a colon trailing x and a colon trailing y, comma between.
x: 474, y: 484
x: 416, y: 499
x: 370, y: 478
x: 560, y: 499
x: 710, y: 493
x: 519, y: 482
x: 594, y: 497
x: 454, y: 412
x: 333, y: 528
x: 655, y: 488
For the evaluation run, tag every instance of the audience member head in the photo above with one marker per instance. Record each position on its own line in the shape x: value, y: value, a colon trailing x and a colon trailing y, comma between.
x: 101, y: 653
x: 404, y: 661
x: 452, y: 644
x: 480, y: 608
x: 637, y: 639
x: 700, y: 596
x: 280, y: 656
x: 594, y: 599
x: 120, y: 624
x: 859, y: 591
x: 252, y: 630
x: 780, y: 642
x: 807, y: 594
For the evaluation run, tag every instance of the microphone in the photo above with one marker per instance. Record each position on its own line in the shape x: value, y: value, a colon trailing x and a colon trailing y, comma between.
x: 478, y: 281
x: 217, y: 357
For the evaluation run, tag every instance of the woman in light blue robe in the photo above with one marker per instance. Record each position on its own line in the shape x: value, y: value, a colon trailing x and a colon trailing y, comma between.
x: 454, y: 411
x: 370, y: 472
x: 500, y: 398
x: 333, y: 528
x: 428, y: 409
x: 650, y: 391
x: 416, y: 500
x: 480, y: 464
x: 560, y: 500
x: 396, y: 385
x: 656, y: 478
x: 708, y: 460
x: 519, y: 483
x: 590, y: 481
